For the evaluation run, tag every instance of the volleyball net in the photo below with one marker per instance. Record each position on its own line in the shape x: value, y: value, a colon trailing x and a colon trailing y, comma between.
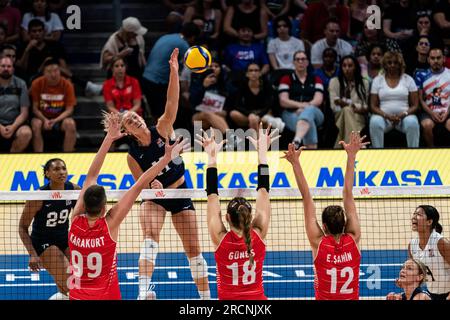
x: 385, y: 215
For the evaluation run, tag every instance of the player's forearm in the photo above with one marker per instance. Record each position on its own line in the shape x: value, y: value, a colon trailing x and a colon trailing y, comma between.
x: 26, y: 240
x: 100, y: 156
x: 349, y: 175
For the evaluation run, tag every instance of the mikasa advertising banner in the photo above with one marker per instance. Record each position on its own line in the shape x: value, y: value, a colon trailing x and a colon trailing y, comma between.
x: 406, y: 167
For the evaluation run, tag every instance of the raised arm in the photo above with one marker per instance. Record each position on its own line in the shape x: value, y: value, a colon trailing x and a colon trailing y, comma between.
x: 313, y: 230
x: 352, y: 226
x: 120, y: 210
x: 112, y: 123
x: 262, y: 216
x: 216, y: 227
x: 166, y: 121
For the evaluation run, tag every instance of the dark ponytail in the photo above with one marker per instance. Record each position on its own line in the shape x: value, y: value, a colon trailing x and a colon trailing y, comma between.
x: 240, y: 212
x: 245, y: 221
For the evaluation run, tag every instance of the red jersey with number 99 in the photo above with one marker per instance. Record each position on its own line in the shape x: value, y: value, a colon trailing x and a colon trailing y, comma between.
x: 236, y: 278
x: 337, y: 269
x: 93, y: 261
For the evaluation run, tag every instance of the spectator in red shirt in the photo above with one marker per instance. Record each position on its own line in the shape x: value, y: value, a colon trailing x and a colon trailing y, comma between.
x: 122, y: 92
x: 10, y: 18
x: 317, y: 15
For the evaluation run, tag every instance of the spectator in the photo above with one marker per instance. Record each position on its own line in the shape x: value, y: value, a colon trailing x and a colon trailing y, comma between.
x: 371, y: 37
x: 358, y: 14
x: 126, y: 43
x: 33, y: 54
x: 9, y: 50
x: 318, y: 14
x: 248, y: 14
x: 253, y: 100
x: 15, y: 134
x: 331, y: 40
x: 41, y: 11
x: 122, y: 92
x: 281, y: 49
x: 399, y: 22
x: 419, y: 62
x: 156, y: 73
x: 394, y: 102
x: 209, y: 90
x: 441, y: 16
x: 411, y: 278
x: 348, y: 99
x: 53, y: 104
x: 10, y: 17
x: 301, y: 95
x: 297, y: 10
x: 212, y: 17
x: 432, y: 249
x: 329, y: 68
x: 275, y: 8
x: 434, y: 96
x: 238, y: 56
x: 373, y: 68
x: 178, y: 6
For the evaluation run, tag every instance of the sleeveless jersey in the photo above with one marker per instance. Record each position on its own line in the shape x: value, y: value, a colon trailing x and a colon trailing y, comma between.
x: 147, y: 156
x: 337, y: 269
x: 236, y: 279
x: 93, y: 261
x: 439, y: 281
x: 53, y: 217
x: 416, y: 292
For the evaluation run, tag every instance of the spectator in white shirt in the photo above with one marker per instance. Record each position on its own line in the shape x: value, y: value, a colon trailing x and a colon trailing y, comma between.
x: 394, y: 100
x: 53, y: 24
x: 331, y: 40
x: 282, y: 48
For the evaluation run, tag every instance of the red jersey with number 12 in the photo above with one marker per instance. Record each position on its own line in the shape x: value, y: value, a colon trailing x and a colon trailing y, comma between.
x: 236, y: 278
x: 93, y: 261
x: 337, y: 269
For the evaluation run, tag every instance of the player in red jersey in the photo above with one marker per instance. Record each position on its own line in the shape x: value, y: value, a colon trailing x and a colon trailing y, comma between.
x: 334, y: 246
x: 94, y: 232
x: 240, y: 252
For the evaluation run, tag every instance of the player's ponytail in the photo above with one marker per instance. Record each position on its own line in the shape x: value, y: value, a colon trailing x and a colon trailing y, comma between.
x: 240, y: 212
x: 245, y: 219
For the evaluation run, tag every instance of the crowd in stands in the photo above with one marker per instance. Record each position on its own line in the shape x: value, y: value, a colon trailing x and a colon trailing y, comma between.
x: 313, y: 69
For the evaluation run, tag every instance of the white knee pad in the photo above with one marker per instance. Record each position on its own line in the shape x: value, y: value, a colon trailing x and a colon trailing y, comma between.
x: 199, y: 267
x: 149, y: 250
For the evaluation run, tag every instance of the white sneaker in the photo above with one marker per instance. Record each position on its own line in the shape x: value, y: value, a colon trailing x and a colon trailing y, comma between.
x: 276, y: 123
x: 279, y: 124
x: 93, y: 89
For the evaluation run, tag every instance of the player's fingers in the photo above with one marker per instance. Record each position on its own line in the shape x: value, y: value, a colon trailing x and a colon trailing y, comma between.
x: 275, y: 138
x: 273, y: 132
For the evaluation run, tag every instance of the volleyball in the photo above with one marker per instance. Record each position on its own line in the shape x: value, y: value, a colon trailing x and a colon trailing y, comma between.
x: 197, y: 59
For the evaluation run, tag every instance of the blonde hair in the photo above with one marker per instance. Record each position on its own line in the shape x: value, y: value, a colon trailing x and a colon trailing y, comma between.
x: 391, y: 55
x: 422, y: 270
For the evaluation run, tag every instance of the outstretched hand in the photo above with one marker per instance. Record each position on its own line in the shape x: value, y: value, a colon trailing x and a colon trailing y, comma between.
x: 173, y: 61
x: 113, y: 124
x: 265, y: 139
x: 210, y: 145
x: 355, y: 144
x: 172, y: 151
x: 292, y: 155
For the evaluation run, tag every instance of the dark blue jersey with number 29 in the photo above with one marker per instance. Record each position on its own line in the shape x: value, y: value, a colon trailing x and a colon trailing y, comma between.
x: 53, y: 217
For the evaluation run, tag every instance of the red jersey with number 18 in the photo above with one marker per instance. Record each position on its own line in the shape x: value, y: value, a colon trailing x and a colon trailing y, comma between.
x: 236, y: 278
x: 93, y: 261
x: 337, y: 269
